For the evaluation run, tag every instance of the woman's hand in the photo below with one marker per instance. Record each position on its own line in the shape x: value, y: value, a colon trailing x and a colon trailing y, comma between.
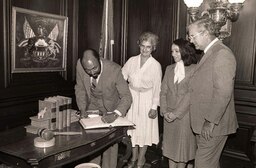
x: 152, y: 113
x: 169, y: 117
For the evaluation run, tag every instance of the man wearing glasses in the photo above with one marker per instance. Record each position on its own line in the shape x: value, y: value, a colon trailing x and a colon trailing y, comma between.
x: 100, y: 86
x: 212, y: 108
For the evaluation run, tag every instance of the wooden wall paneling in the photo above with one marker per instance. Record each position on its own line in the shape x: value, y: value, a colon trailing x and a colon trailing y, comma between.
x: 138, y: 21
x: 183, y: 19
x: 237, y: 156
x: 2, y: 20
x: 117, y: 21
x: 5, y: 44
x: 124, y: 32
x: 90, y: 18
x: 155, y: 16
x: 73, y: 42
x: 165, y: 27
x: 47, y: 6
x: 253, y: 144
x: 64, y: 12
x: 243, y: 138
x: 20, y: 92
x: 239, y: 151
x: 58, y: 7
x: 242, y: 43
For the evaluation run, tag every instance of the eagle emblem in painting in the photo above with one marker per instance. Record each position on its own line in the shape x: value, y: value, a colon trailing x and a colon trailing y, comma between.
x: 40, y: 45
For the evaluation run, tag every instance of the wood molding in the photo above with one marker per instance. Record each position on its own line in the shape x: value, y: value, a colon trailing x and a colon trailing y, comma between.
x: 239, y: 145
x: 7, y: 41
x: 75, y: 37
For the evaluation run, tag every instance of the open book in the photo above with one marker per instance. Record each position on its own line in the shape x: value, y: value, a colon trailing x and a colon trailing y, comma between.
x: 95, y: 122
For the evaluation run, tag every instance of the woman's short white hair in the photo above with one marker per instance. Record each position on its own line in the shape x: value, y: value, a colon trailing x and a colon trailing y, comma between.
x: 149, y: 36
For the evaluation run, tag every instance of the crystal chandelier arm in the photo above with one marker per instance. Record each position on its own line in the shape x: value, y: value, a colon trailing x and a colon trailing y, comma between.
x: 233, y: 11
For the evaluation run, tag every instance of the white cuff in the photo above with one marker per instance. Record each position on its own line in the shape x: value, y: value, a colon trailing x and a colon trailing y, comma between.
x: 118, y: 112
x: 154, y: 107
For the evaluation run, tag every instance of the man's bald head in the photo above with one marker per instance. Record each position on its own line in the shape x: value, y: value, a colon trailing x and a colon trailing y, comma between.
x: 90, y: 61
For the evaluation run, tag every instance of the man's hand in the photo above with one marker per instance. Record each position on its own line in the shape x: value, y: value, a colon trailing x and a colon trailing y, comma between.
x: 152, y: 113
x: 109, y: 118
x: 82, y: 114
x: 207, y: 130
x: 169, y: 117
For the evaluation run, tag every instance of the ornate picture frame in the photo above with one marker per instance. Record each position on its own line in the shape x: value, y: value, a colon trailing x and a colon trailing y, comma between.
x: 39, y: 41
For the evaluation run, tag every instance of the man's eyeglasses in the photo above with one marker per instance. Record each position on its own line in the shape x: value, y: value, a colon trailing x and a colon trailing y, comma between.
x: 193, y: 36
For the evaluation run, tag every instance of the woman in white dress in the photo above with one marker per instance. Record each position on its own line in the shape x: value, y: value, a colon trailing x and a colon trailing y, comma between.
x: 144, y: 75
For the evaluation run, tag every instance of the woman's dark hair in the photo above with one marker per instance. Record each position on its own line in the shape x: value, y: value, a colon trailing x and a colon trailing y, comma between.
x: 187, y: 51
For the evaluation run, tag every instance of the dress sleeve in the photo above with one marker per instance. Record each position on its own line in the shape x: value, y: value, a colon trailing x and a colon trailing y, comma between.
x: 163, y: 93
x: 157, y: 78
x: 182, y: 107
x: 126, y: 69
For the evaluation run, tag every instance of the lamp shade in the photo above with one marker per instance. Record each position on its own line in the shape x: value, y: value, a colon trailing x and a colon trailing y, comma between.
x: 193, y: 3
x: 236, y: 1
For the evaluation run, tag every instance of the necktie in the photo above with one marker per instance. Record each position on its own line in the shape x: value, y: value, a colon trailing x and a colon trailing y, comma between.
x: 93, y: 83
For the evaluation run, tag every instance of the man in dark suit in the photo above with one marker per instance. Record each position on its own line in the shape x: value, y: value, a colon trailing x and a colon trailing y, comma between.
x: 212, y: 108
x: 100, y: 86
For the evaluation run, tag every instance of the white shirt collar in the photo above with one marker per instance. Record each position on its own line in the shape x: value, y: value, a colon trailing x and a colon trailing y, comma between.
x: 101, y: 65
x: 209, y: 45
x: 179, y: 72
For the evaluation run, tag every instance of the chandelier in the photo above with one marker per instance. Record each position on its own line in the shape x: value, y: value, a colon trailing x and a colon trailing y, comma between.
x: 222, y: 12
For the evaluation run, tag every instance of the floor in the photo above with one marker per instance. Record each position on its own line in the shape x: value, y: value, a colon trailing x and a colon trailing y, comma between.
x: 154, y: 158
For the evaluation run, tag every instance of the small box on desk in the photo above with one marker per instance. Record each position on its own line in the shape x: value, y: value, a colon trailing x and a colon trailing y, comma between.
x: 32, y: 129
x: 40, y: 122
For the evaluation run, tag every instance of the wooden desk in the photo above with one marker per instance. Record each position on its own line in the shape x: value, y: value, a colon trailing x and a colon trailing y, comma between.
x: 67, y: 149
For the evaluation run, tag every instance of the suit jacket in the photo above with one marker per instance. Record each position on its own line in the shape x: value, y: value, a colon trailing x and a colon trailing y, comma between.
x: 212, y: 91
x: 116, y: 93
x: 175, y: 97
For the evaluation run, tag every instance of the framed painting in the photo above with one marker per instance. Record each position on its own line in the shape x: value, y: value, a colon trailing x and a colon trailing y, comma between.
x: 39, y: 41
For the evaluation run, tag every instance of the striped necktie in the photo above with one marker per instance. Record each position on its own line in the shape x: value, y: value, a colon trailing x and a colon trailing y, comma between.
x: 93, y: 83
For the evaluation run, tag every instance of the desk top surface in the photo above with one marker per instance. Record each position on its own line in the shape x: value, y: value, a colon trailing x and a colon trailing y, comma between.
x: 24, y: 148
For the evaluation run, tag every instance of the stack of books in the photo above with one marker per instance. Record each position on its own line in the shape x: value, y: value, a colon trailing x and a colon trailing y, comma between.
x: 54, y: 113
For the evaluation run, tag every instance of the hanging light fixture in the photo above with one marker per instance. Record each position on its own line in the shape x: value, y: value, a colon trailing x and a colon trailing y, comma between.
x: 220, y: 11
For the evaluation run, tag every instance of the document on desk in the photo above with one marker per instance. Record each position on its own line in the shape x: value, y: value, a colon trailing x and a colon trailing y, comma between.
x: 96, y: 122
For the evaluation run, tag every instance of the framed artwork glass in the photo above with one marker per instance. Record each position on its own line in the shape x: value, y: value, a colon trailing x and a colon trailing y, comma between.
x: 39, y: 41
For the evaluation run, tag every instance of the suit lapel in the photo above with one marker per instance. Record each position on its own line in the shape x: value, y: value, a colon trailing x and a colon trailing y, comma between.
x: 103, y: 75
x: 206, y: 56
